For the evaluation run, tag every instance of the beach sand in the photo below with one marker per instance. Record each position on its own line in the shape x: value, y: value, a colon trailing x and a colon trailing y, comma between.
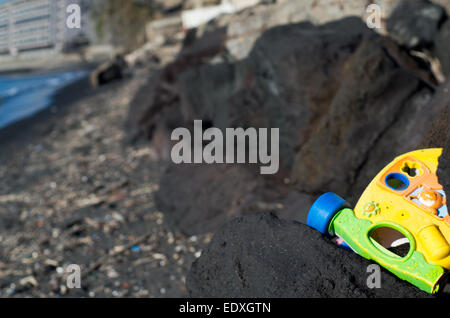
x: 72, y: 191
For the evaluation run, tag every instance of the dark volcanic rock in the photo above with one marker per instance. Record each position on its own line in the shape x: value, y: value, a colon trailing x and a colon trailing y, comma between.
x: 334, y: 89
x: 414, y: 23
x: 287, y: 82
x: 444, y: 161
x: 260, y: 255
x: 108, y: 72
x: 444, y: 164
x: 404, y: 134
x: 346, y: 101
x: 209, y: 195
x: 203, y: 192
x: 374, y: 94
x: 163, y: 92
x: 439, y: 134
x: 442, y: 47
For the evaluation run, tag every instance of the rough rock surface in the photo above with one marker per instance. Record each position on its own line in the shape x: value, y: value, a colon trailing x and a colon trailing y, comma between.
x: 375, y: 96
x: 161, y: 97
x: 346, y: 100
x: 287, y: 81
x: 415, y: 23
x: 244, y: 27
x: 294, y: 75
x: 108, y: 72
x: 439, y: 134
x: 228, y: 188
x: 336, y: 89
x: 260, y: 255
x: 209, y: 195
x: 442, y: 47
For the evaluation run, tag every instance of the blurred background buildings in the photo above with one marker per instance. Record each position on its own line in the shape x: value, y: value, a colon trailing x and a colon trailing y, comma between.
x: 31, y: 25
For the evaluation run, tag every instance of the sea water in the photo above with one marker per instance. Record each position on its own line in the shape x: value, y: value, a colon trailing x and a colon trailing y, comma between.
x: 22, y: 96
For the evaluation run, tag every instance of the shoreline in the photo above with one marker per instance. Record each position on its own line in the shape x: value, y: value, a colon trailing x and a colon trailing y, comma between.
x: 72, y: 66
x: 29, y: 129
x: 46, y: 63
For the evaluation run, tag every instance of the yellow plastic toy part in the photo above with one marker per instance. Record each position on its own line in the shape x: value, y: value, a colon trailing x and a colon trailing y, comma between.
x: 407, y: 192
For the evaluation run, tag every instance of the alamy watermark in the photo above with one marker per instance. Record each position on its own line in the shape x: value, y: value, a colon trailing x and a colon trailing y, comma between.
x: 231, y: 147
x: 373, y: 20
x: 73, y: 20
x: 374, y: 278
x: 73, y: 280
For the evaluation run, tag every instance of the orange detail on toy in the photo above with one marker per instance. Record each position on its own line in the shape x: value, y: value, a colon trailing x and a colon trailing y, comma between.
x: 447, y: 219
x: 429, y: 200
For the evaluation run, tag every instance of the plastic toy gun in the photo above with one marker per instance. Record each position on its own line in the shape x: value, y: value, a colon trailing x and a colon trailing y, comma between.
x: 404, y: 204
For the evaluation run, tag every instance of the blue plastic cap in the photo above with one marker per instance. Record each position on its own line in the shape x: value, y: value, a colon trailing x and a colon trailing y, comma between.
x: 323, y: 210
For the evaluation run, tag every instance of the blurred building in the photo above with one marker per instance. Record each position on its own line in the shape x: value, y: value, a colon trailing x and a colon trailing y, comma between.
x: 30, y: 25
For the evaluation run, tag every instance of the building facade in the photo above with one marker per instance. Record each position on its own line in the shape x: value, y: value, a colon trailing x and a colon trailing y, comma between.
x: 27, y: 25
